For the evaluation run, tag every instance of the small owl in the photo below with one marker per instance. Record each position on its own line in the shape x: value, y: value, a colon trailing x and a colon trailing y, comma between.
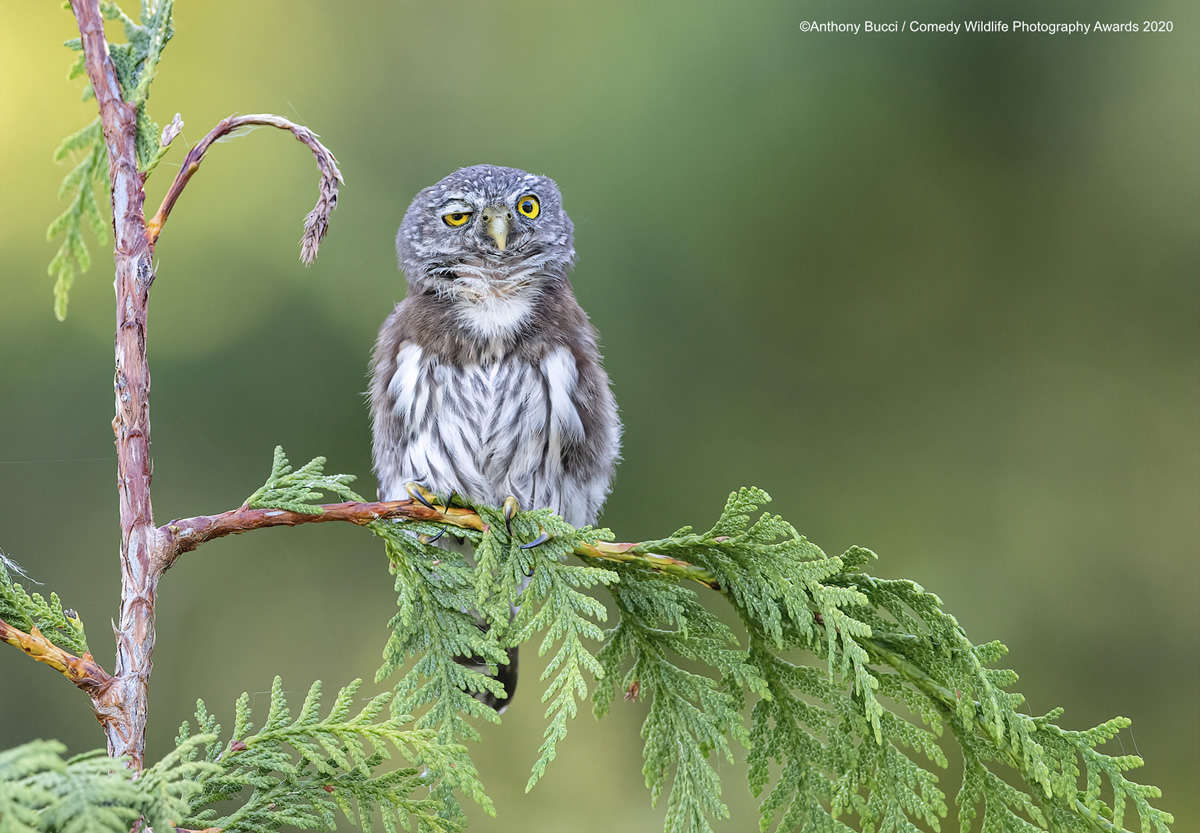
x: 486, y: 378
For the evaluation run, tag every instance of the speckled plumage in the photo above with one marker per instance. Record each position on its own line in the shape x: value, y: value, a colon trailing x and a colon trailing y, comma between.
x: 486, y: 378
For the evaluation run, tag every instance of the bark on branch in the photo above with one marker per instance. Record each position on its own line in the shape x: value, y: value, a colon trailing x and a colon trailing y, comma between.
x: 84, y: 672
x: 121, y: 703
x: 317, y: 221
x: 134, y: 275
x: 180, y: 536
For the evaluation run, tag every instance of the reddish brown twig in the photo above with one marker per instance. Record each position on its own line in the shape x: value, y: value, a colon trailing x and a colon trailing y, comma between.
x: 180, y: 536
x: 83, y: 671
x: 317, y: 221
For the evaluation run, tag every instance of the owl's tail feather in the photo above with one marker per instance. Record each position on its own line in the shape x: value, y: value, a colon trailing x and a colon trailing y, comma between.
x: 505, y: 674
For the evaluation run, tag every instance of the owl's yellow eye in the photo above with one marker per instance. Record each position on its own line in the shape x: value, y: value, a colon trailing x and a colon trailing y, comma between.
x: 529, y: 206
x: 456, y: 218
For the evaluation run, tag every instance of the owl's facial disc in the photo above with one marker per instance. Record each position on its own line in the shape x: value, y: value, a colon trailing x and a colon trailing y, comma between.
x: 486, y: 232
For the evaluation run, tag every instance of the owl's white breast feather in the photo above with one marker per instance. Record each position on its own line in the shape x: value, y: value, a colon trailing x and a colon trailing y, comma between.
x: 495, y: 316
x: 493, y: 301
x: 403, y: 388
x: 562, y: 375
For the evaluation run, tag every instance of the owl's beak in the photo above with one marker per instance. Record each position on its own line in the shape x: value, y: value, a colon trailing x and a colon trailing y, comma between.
x: 496, y: 219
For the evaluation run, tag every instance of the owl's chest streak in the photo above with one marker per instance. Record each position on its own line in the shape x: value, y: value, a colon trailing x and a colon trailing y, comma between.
x: 488, y: 429
x: 492, y: 413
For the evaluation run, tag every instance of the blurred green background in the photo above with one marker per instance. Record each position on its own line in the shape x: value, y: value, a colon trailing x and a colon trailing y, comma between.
x: 936, y: 294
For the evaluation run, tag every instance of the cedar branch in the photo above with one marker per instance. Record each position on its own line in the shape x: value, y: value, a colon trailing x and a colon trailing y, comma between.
x: 123, y: 708
x: 317, y: 221
x: 185, y: 535
x: 180, y: 536
x: 84, y: 672
x: 121, y: 703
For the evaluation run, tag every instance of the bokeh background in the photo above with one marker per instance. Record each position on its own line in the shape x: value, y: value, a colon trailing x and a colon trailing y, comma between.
x: 936, y: 294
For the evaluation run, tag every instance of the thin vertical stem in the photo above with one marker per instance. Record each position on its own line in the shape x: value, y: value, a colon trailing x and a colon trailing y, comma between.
x: 124, y: 712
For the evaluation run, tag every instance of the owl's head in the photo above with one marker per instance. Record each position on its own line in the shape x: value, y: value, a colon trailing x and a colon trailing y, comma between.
x: 484, y: 231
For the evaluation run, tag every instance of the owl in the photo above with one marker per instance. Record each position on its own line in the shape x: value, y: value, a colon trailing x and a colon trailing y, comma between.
x: 486, y: 380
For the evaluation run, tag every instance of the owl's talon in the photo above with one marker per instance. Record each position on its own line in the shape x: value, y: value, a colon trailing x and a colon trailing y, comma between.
x: 417, y: 493
x: 449, y: 501
x: 429, y: 539
x: 511, y: 508
x: 542, y: 538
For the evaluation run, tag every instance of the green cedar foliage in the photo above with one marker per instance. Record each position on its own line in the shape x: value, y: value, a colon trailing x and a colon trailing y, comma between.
x: 299, y: 772
x: 553, y: 605
x: 450, y: 607
x: 26, y: 611
x: 432, y: 625
x: 850, y: 743
x: 136, y: 63
x: 40, y: 791
x: 295, y: 491
x: 847, y: 743
x: 295, y: 773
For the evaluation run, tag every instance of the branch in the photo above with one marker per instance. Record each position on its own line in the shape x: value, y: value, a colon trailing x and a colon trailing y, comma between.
x: 948, y: 701
x: 123, y: 707
x: 317, y: 221
x: 127, y: 696
x: 636, y: 554
x: 84, y: 672
x: 180, y: 536
x: 881, y: 648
